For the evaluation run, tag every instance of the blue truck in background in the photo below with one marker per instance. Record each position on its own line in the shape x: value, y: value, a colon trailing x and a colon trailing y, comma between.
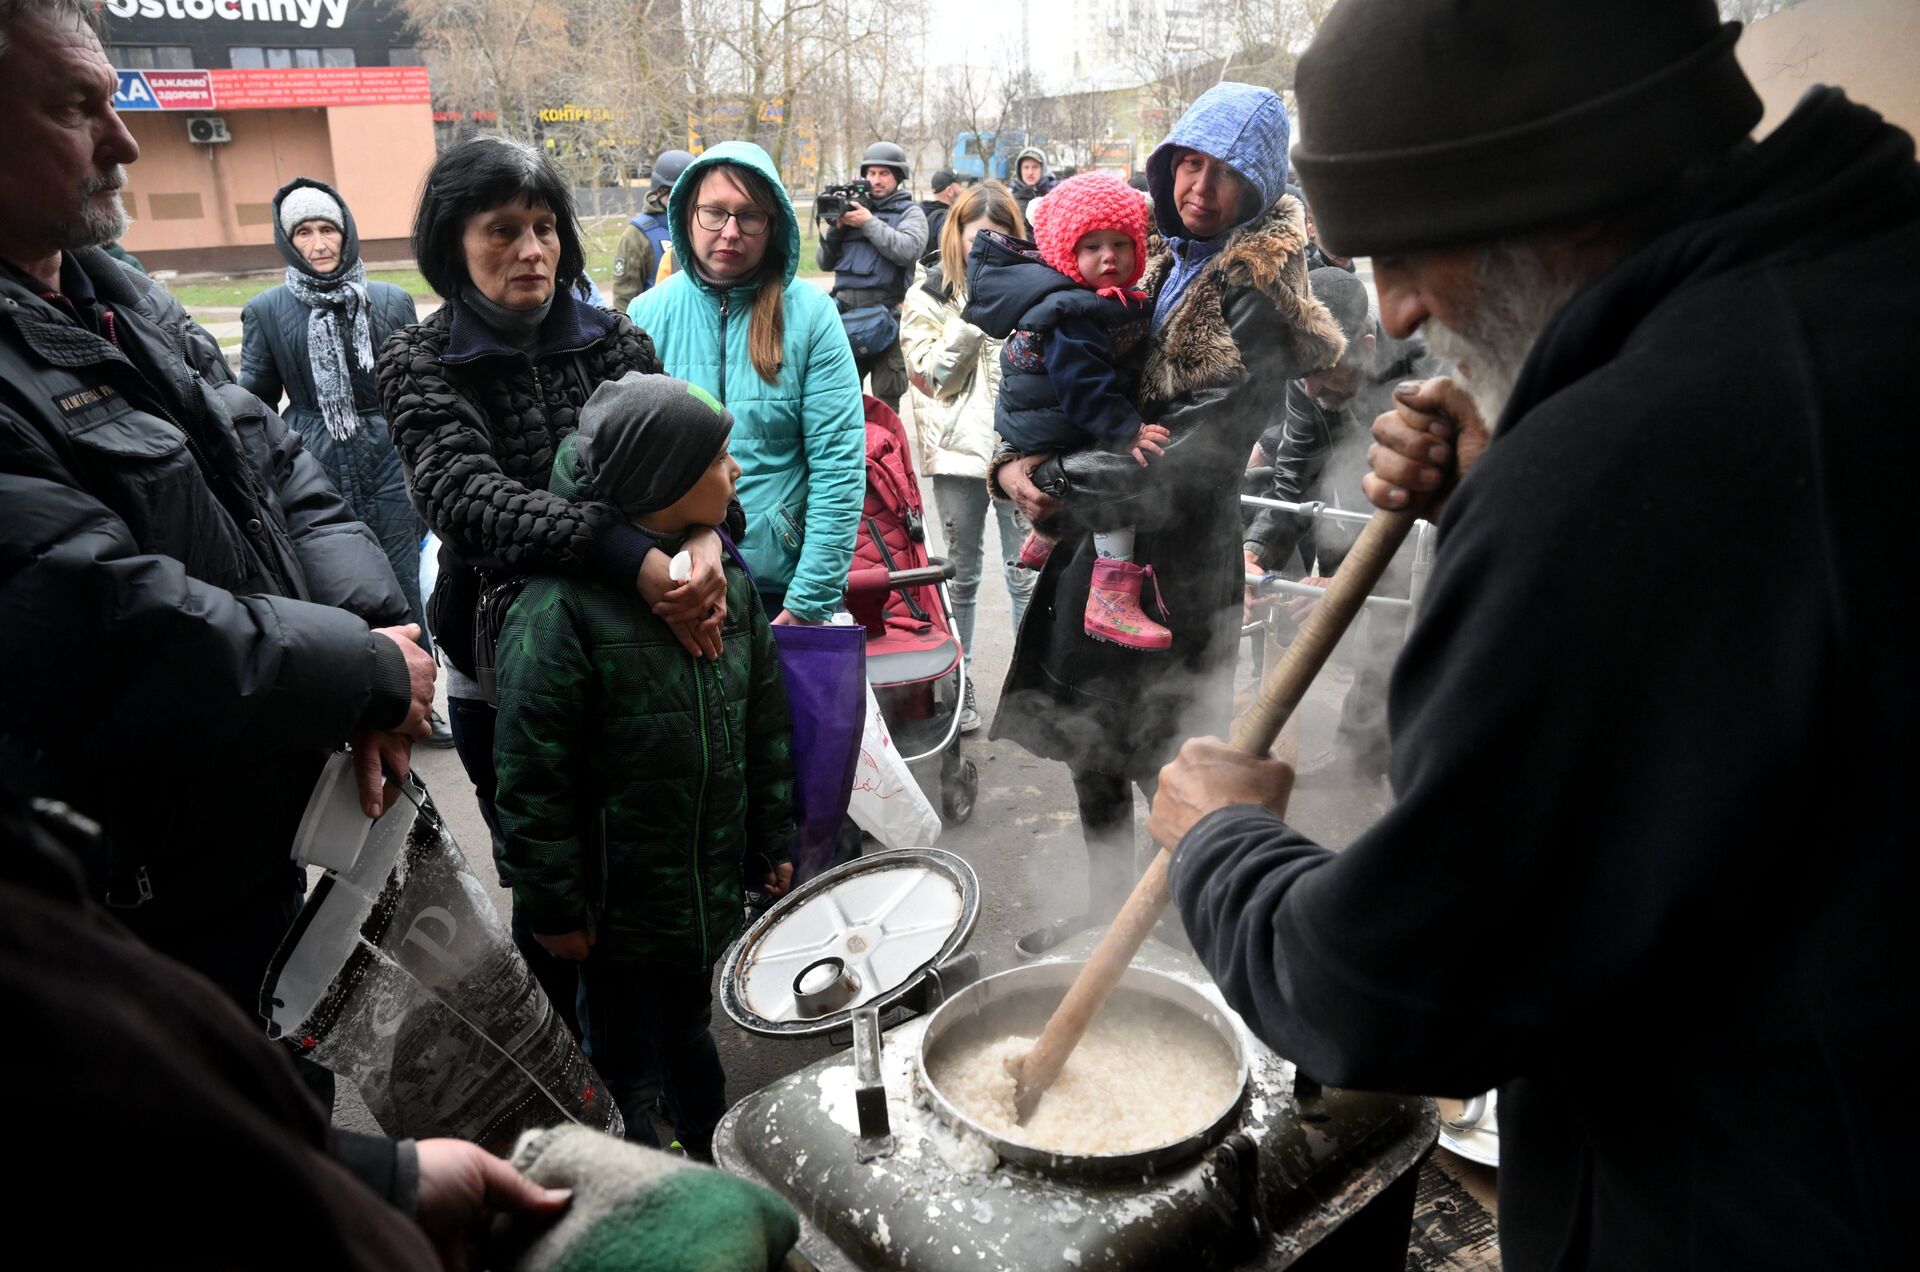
x: 990, y: 154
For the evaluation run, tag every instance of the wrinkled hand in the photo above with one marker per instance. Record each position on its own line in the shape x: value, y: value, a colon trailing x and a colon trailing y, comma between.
x: 1426, y: 443
x: 1210, y: 774
x: 572, y: 946
x: 778, y: 880
x: 856, y: 216
x: 1016, y: 479
x: 787, y: 618
x: 420, y: 675
x: 694, y: 609
x: 377, y: 752
x: 1148, y: 440
x: 462, y: 1186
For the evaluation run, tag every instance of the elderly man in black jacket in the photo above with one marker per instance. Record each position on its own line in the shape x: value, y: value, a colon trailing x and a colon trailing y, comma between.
x: 1648, y: 868
x: 194, y: 618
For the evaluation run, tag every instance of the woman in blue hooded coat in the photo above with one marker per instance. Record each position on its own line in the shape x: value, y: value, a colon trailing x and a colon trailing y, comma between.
x: 1233, y: 321
x: 736, y: 322
x: 313, y: 338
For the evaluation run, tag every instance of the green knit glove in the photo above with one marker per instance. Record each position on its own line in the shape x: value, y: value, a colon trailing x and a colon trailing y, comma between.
x: 641, y: 1210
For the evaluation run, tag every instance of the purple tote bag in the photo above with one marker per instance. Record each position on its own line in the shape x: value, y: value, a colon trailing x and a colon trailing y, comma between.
x: 826, y: 674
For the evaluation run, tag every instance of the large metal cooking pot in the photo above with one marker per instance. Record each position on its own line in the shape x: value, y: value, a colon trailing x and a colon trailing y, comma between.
x: 1019, y: 1002
x: 912, y: 1195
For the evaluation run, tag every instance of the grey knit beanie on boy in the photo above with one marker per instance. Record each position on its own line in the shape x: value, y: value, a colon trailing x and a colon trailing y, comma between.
x: 646, y: 439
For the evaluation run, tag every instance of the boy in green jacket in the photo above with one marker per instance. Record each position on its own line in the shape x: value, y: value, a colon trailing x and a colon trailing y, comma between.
x: 642, y: 787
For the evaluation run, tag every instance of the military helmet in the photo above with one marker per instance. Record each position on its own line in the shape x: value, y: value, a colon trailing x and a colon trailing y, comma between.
x: 668, y: 167
x: 884, y: 154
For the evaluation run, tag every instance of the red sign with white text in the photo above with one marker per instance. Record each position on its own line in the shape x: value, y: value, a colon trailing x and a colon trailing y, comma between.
x: 315, y: 86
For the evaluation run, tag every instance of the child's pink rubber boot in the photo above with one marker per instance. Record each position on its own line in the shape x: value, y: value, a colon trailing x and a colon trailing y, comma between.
x: 1113, y: 606
x: 1034, y: 552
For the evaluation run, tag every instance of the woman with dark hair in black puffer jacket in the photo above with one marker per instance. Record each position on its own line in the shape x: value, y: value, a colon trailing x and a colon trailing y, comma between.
x: 480, y: 395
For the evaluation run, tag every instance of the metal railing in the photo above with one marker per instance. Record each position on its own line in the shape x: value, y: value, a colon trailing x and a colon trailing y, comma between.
x: 1422, y: 565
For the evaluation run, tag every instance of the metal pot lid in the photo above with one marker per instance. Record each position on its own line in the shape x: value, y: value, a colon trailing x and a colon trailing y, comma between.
x: 887, y: 918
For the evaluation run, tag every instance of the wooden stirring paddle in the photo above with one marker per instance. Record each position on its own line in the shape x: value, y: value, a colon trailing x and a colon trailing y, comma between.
x: 1285, y: 685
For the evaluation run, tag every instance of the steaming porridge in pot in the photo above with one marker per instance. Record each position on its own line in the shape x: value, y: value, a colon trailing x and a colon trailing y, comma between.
x: 1146, y: 1074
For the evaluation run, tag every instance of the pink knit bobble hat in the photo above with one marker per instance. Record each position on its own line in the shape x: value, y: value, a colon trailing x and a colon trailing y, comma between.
x: 1080, y: 205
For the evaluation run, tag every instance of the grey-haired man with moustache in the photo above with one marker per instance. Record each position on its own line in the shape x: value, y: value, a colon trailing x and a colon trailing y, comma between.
x: 190, y: 625
x: 1648, y: 866
x: 194, y: 617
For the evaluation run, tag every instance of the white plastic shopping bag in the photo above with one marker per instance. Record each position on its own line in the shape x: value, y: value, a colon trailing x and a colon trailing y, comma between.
x: 887, y: 802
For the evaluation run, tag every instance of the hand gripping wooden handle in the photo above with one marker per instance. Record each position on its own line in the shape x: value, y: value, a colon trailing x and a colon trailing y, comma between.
x: 1285, y: 685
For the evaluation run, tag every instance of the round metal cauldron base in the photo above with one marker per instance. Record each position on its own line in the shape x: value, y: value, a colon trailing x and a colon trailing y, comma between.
x: 1018, y: 1002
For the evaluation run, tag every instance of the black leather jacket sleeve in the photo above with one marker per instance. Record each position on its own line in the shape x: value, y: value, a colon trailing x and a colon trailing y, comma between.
x: 1299, y: 457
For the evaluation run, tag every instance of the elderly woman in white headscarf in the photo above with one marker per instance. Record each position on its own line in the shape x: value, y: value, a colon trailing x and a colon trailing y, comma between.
x: 313, y: 338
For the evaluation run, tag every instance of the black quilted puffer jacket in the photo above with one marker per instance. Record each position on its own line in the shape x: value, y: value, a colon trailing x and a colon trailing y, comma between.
x: 477, y: 422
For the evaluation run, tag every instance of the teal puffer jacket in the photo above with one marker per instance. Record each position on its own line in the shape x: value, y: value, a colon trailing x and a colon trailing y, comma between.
x: 801, y: 441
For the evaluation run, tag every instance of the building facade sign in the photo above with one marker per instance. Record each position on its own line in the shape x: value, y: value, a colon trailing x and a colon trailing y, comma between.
x: 305, y: 14
x: 272, y: 89
x: 222, y: 34
x: 164, y: 90
x: 320, y: 86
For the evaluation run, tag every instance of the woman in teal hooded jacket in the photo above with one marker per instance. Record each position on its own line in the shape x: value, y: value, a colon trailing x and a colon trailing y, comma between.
x: 738, y: 323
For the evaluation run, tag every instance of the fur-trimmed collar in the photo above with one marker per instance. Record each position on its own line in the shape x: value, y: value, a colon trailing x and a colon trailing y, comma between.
x: 1194, y: 349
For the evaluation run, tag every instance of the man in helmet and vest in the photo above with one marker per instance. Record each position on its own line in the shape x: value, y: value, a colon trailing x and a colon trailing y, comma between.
x: 643, y: 244
x: 872, y: 254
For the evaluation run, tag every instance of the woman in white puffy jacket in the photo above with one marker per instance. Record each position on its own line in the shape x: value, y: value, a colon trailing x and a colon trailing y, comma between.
x: 956, y: 369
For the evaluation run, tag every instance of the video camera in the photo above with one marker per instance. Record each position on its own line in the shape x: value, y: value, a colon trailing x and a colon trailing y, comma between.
x: 832, y: 203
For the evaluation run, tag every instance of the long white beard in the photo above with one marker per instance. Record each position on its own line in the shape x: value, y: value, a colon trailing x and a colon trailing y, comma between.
x: 1517, y: 294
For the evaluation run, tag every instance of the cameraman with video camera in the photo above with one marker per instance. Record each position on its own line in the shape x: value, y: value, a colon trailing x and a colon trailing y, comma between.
x: 872, y: 240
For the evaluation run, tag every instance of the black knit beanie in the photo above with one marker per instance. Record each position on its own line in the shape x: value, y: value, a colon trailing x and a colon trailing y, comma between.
x: 1438, y: 123
x: 648, y: 438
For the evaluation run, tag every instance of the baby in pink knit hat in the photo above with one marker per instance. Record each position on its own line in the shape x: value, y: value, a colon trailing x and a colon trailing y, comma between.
x: 1071, y: 318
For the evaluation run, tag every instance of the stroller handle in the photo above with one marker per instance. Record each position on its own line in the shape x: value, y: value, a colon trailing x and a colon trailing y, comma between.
x: 878, y: 580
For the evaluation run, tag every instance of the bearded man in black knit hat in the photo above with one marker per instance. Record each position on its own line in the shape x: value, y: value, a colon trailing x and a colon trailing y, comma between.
x: 1645, y: 873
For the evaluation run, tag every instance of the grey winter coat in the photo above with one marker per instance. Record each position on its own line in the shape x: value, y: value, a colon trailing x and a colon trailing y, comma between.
x: 188, y: 599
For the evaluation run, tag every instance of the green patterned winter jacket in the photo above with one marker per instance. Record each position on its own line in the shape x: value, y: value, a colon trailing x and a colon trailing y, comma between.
x: 637, y: 781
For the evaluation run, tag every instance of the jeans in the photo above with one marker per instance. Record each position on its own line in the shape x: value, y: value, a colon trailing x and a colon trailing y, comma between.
x: 471, y: 720
x: 1106, y: 824
x: 962, y: 504
x: 648, y: 1036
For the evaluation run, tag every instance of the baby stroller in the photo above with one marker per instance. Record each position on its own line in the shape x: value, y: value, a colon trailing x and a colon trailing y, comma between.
x: 899, y: 594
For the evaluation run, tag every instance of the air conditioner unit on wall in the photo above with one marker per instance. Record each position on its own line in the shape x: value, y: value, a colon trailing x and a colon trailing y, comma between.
x: 206, y: 130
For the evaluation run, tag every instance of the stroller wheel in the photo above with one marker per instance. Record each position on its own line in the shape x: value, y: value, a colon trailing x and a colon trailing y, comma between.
x: 957, y: 790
